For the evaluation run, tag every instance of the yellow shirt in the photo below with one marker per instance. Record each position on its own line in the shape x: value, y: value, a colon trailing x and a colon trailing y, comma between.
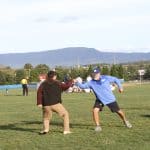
x: 24, y: 81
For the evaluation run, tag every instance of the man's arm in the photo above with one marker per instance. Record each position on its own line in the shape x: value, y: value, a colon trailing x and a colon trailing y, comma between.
x: 39, y: 96
x: 116, y: 81
x: 65, y: 86
x: 83, y: 85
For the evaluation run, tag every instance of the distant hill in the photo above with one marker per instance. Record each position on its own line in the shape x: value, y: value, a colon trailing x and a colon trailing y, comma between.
x: 70, y: 57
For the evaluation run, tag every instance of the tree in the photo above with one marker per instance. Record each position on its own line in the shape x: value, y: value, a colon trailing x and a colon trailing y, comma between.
x: 42, y: 68
x: 2, y: 78
x: 27, y: 70
x: 61, y: 72
x: 105, y: 70
x: 28, y: 66
x: 147, y: 73
x: 20, y: 74
x: 89, y: 70
x: 10, y: 79
x: 120, y: 72
x: 34, y: 74
x: 132, y: 72
x: 74, y: 72
x: 113, y: 71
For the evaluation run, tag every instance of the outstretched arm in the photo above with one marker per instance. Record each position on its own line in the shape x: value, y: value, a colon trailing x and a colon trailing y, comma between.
x: 65, y: 86
x: 82, y: 85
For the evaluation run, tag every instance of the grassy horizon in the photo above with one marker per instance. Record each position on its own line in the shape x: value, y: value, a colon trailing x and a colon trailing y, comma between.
x: 21, y: 121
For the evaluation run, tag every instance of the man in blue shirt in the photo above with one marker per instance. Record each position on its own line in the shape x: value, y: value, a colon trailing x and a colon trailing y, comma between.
x: 100, y: 84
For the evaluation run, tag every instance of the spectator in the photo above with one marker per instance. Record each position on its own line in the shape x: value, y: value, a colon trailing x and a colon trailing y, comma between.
x: 24, y: 83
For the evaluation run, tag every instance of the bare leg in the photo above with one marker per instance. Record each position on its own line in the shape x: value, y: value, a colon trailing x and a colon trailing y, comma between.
x: 96, y: 116
x: 125, y: 121
x: 96, y: 119
x: 122, y: 115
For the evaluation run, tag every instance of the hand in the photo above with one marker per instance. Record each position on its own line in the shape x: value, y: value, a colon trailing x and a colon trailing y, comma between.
x: 74, y: 80
x: 120, y: 90
x: 40, y: 106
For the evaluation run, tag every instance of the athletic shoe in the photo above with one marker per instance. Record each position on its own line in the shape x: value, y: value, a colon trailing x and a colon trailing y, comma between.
x: 43, y: 132
x: 128, y: 124
x: 98, y: 129
x: 67, y: 132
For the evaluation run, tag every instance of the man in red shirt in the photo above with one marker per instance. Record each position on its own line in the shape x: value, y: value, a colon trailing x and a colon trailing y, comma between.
x: 49, y: 98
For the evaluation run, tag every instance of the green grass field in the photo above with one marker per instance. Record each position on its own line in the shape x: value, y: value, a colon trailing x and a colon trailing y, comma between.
x: 20, y: 122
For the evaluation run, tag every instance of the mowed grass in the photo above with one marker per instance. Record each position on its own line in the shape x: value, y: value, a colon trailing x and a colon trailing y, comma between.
x: 21, y: 120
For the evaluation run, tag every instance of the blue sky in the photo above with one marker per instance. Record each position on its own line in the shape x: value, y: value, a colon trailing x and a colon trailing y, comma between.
x: 107, y: 25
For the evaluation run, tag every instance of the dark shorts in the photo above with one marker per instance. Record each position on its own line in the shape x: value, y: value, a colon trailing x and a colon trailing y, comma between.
x: 98, y: 104
x: 112, y: 106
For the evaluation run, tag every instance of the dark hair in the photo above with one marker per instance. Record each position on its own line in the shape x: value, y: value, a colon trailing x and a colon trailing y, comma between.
x: 51, y: 74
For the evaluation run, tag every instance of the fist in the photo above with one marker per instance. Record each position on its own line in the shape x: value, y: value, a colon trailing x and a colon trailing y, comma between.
x: 39, y: 106
x: 120, y: 90
x: 74, y: 80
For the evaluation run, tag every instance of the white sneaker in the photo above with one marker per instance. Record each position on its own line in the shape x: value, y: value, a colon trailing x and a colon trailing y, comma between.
x: 128, y: 124
x: 98, y: 129
x: 67, y: 132
x: 43, y: 132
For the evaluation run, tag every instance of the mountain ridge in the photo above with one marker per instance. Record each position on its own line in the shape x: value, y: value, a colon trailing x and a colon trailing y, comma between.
x: 71, y: 56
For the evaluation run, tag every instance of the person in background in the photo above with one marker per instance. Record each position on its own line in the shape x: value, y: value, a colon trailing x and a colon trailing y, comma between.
x: 49, y: 99
x: 89, y: 78
x: 24, y: 83
x: 67, y: 77
x: 100, y: 85
x: 80, y: 80
x: 42, y: 78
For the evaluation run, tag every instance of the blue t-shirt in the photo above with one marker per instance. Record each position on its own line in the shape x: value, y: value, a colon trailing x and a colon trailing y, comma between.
x: 101, y: 88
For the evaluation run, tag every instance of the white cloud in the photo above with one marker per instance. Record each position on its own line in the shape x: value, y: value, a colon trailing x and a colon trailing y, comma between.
x: 91, y: 23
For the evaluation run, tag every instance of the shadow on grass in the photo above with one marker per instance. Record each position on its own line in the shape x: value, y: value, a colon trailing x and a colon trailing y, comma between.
x: 75, y: 125
x: 19, y: 126
x: 146, y: 116
x: 56, y: 123
x: 136, y: 108
x: 31, y: 122
x: 16, y: 128
x: 13, y: 95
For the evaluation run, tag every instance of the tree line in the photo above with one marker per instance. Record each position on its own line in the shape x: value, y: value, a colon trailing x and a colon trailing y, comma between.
x: 126, y: 72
